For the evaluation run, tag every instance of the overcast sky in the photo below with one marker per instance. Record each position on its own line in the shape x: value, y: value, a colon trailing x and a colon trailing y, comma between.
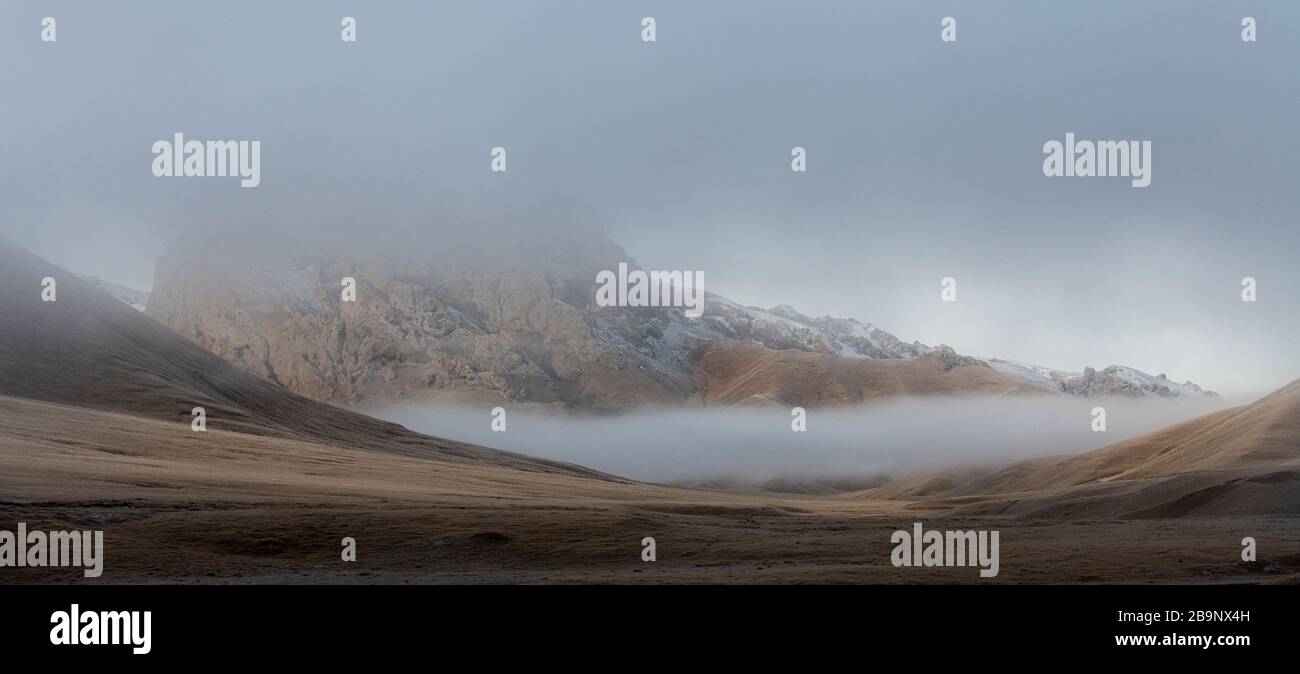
x: 924, y: 158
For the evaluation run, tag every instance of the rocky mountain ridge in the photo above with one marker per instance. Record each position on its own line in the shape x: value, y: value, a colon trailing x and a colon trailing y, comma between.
x: 515, y: 323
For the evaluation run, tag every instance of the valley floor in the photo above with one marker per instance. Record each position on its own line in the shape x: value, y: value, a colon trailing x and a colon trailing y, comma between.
x: 220, y: 507
x: 195, y: 542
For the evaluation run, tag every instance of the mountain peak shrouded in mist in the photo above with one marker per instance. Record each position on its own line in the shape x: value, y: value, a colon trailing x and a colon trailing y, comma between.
x: 713, y: 186
x: 486, y: 313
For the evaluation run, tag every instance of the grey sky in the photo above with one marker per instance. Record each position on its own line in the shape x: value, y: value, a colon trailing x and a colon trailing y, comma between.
x: 924, y: 157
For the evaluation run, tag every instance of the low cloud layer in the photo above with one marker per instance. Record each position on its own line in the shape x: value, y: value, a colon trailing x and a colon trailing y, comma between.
x: 751, y: 444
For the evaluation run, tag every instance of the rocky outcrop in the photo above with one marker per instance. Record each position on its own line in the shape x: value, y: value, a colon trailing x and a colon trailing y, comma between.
x: 1125, y: 381
x: 948, y: 358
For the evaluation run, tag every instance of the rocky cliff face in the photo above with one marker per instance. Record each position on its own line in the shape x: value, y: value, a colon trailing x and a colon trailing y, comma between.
x: 487, y: 327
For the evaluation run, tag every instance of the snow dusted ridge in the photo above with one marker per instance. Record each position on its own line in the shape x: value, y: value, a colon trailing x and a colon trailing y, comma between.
x: 782, y: 327
x: 662, y: 341
x: 1114, y: 380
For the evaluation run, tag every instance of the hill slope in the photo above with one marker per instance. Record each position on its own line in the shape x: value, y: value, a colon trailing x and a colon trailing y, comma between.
x: 89, y: 350
x: 746, y: 374
x: 1261, y: 435
x: 1243, y: 460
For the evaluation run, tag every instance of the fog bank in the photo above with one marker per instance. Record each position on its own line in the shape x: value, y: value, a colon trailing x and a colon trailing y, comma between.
x: 758, y: 444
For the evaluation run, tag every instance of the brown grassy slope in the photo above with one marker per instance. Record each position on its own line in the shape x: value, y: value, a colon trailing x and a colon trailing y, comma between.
x: 736, y: 374
x: 1239, y: 461
x: 88, y: 349
x: 1262, y: 435
x: 62, y: 453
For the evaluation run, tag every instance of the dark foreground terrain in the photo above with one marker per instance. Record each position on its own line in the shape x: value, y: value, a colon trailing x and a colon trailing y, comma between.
x: 220, y: 507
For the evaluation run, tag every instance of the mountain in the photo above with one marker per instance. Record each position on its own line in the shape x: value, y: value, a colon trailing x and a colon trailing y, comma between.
x: 488, y: 318
x: 89, y: 350
x: 1113, y: 380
